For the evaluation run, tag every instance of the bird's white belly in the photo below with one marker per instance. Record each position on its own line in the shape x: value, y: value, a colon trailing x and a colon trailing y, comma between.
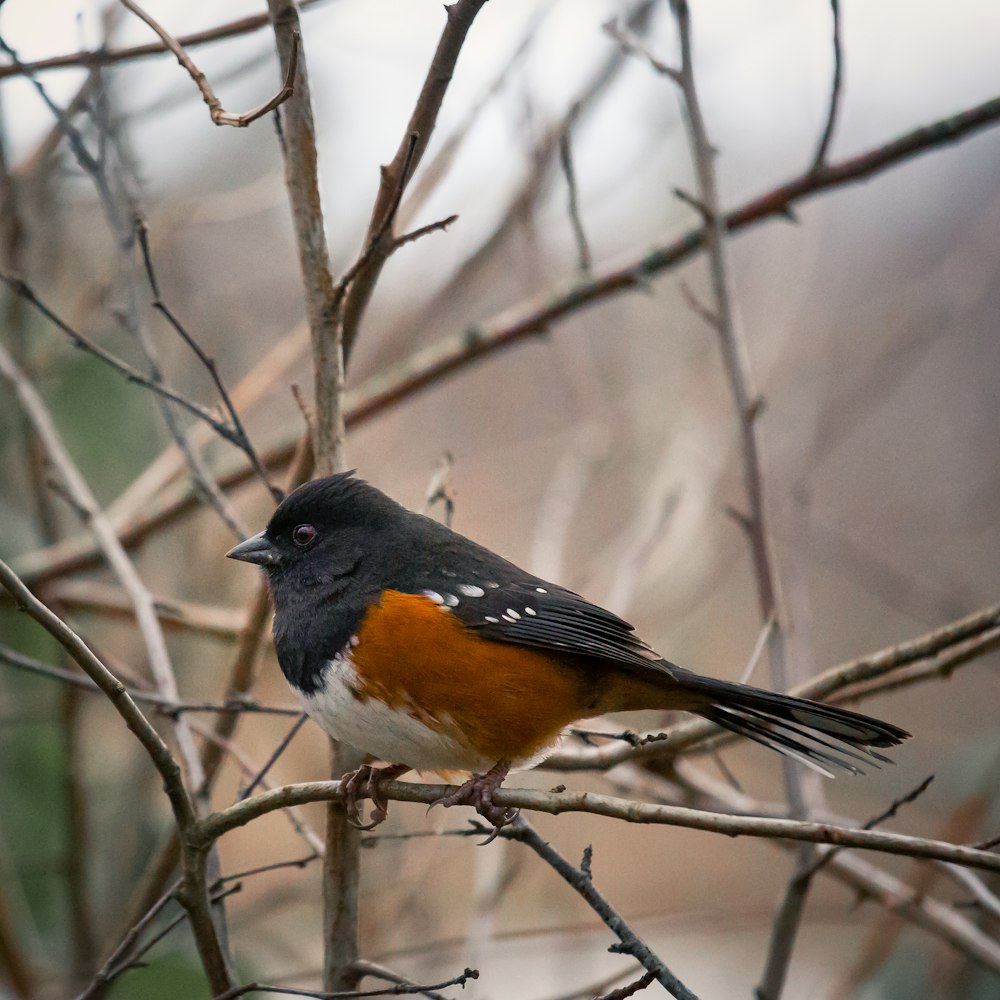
x: 393, y: 734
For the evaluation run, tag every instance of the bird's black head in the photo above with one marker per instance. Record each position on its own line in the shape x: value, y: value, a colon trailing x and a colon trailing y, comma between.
x: 321, y: 533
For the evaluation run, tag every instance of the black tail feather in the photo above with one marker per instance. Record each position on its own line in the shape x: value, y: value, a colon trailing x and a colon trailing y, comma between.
x: 820, y: 736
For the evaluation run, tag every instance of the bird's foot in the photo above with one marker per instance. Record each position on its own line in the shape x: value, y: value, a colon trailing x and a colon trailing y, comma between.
x: 478, y: 792
x: 367, y: 782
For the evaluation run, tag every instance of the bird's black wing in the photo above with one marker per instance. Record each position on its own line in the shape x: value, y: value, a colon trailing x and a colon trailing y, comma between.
x: 552, y: 618
x: 504, y: 603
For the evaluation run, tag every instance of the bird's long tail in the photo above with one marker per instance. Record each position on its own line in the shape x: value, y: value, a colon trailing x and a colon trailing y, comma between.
x: 820, y: 736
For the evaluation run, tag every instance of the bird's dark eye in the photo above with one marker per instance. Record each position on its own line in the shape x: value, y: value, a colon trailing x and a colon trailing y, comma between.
x: 304, y: 535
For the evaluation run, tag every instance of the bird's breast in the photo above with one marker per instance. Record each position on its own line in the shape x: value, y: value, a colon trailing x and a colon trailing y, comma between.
x: 415, y: 686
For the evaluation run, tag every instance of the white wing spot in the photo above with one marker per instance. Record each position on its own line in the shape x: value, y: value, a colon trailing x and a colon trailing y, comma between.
x: 470, y: 590
x: 506, y: 618
x: 541, y: 590
x: 451, y: 600
x: 354, y: 640
x: 495, y: 621
x: 529, y: 611
x: 434, y: 596
x: 513, y: 614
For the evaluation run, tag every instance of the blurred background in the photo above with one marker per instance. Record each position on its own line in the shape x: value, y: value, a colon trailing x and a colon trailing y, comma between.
x: 602, y: 453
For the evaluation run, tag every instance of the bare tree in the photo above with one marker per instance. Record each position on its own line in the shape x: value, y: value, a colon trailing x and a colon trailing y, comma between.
x: 167, y: 820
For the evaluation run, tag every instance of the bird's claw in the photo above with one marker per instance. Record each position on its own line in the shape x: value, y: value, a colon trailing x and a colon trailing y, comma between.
x: 478, y: 793
x: 368, y: 782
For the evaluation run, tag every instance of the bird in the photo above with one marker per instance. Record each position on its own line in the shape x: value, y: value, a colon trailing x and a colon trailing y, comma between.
x: 429, y: 652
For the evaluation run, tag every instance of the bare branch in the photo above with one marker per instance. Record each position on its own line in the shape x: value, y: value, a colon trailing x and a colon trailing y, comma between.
x: 936, y: 646
x: 110, y: 57
x: 401, y: 989
x: 911, y: 903
x: 208, y: 362
x: 164, y: 705
x: 302, y: 180
x: 836, y: 88
x: 634, y: 45
x: 556, y: 803
x: 637, y: 986
x: 537, y: 314
x: 584, y: 259
x: 195, y: 895
x: 259, y: 777
x: 377, y: 971
x: 107, y: 600
x: 22, y: 289
x: 142, y: 601
x: 440, y: 489
x: 396, y: 175
x: 219, y: 114
x: 582, y: 882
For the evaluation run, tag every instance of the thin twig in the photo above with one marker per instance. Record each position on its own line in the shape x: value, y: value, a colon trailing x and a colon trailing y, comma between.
x: 581, y: 881
x: 440, y: 489
x: 400, y: 989
x: 21, y: 288
x: 396, y: 175
x: 107, y: 972
x: 584, y: 258
x: 373, y: 245
x: 207, y: 362
x: 218, y: 114
x: 542, y: 157
x: 421, y: 231
x: 165, y: 705
x: 758, y: 649
x: 637, y: 986
x: 136, y: 959
x: 910, y: 902
x: 836, y: 89
x: 107, y: 600
x: 826, y: 857
x: 110, y: 57
x: 376, y: 971
x: 276, y: 753
x: 630, y: 42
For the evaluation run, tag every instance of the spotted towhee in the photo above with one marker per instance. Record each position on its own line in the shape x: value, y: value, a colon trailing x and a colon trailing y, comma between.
x: 428, y: 651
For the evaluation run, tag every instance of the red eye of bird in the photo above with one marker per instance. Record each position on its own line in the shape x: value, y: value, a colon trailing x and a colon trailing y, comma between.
x: 303, y: 535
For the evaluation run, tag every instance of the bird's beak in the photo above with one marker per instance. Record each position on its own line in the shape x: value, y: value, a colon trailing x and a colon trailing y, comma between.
x: 257, y: 549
